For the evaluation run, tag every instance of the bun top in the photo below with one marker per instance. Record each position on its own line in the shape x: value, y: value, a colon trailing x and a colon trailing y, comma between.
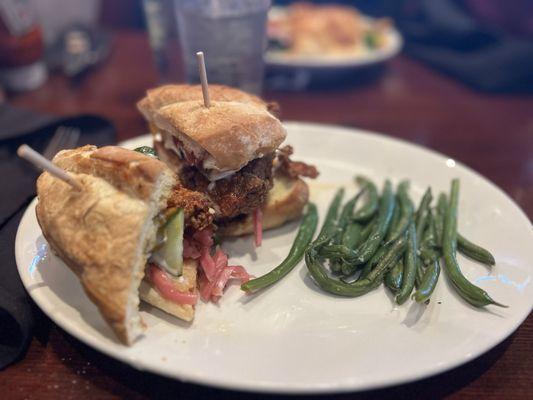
x: 232, y: 133
x: 164, y: 95
x: 127, y: 170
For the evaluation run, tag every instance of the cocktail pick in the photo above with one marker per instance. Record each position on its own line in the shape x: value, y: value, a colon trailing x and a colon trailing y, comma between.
x: 26, y: 152
x: 203, y: 78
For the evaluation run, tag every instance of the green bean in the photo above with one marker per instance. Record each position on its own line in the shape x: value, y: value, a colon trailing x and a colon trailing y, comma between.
x: 464, y: 245
x: 428, y: 248
x: 378, y: 255
x: 428, y: 283
x: 423, y: 234
x: 367, y: 230
x: 439, y: 227
x: 367, y: 249
x: 349, y: 269
x: 393, y: 279
x: 468, y: 291
x: 346, y: 214
x: 330, y: 285
x: 327, y: 231
x: 350, y: 239
x: 376, y: 258
x: 371, y: 206
x: 474, y: 251
x: 428, y: 255
x: 337, y: 252
x: 394, y: 221
x: 346, y: 268
x: 429, y: 237
x: 389, y: 259
x: 420, y: 271
x: 351, y: 235
x: 338, y: 264
x: 406, y: 211
x: 343, y: 221
x: 303, y: 238
x: 422, y: 213
x: 440, y: 212
x: 328, y: 227
x: 410, y: 266
x: 442, y: 203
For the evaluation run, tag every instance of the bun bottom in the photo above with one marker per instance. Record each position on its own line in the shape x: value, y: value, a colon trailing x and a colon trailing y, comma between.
x: 285, y: 202
x: 151, y: 296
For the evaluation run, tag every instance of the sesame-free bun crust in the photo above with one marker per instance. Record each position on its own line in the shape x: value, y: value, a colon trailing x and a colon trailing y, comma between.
x: 167, y: 94
x: 232, y: 133
x: 285, y: 202
x: 103, y: 232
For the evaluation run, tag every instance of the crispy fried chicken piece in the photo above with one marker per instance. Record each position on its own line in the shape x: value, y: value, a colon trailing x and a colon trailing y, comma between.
x: 240, y: 193
x: 197, y: 207
x: 293, y: 169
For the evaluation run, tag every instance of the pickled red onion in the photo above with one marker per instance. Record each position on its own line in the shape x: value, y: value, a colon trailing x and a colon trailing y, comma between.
x: 238, y: 272
x: 190, y: 250
x: 217, y: 273
x: 208, y: 264
x: 163, y: 284
x: 258, y: 227
x: 220, y: 282
x: 221, y: 259
x: 214, y: 273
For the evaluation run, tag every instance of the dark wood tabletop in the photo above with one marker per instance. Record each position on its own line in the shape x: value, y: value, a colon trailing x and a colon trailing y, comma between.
x: 493, y: 134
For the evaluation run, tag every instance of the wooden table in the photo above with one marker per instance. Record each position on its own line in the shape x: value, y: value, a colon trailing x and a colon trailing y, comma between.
x: 493, y: 134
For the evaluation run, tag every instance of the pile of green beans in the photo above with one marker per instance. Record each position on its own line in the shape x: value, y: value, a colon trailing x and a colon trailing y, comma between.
x: 387, y: 241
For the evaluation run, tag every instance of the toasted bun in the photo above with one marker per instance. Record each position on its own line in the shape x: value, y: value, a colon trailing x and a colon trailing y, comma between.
x: 285, y: 202
x: 231, y: 133
x: 104, y: 231
x: 164, y: 95
x: 185, y: 283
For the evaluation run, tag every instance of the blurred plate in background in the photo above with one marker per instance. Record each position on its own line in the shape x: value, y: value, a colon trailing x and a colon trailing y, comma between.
x: 359, y: 58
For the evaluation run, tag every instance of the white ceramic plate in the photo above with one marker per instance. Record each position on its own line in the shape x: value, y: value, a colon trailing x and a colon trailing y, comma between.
x: 281, y: 58
x: 295, y: 339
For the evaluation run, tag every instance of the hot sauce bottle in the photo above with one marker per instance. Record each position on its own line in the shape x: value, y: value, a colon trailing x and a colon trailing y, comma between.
x: 21, y: 47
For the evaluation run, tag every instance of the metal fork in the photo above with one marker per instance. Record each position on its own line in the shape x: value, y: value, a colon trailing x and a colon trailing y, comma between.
x: 65, y: 137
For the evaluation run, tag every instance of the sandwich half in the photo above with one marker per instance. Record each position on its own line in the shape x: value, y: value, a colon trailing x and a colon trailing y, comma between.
x: 230, y: 151
x: 122, y: 234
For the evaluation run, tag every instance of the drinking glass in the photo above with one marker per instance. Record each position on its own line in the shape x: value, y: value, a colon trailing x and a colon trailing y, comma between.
x: 232, y: 35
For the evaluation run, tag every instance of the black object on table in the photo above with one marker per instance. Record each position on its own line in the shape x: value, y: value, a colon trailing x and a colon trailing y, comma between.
x: 17, y: 189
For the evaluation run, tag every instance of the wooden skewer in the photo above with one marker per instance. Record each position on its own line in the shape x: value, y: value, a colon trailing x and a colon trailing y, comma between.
x: 38, y: 160
x: 203, y: 78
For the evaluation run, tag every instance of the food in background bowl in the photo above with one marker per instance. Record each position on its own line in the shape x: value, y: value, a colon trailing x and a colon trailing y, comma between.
x: 305, y: 29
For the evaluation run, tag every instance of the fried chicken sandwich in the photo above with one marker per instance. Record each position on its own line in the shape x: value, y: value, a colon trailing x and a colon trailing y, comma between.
x: 132, y: 232
x: 231, y: 152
